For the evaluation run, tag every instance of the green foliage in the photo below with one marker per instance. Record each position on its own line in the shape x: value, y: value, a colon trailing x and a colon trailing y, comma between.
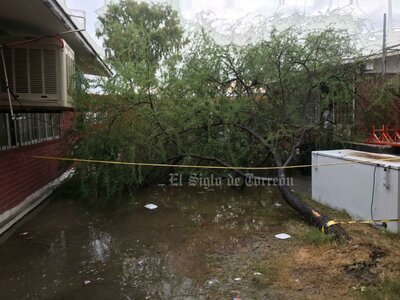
x: 380, y: 103
x: 272, y: 82
x: 316, y: 237
x: 119, y: 125
x: 387, y: 290
x: 174, y: 102
x: 140, y: 36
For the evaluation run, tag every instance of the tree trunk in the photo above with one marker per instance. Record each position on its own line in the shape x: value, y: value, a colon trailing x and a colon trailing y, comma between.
x: 315, y: 217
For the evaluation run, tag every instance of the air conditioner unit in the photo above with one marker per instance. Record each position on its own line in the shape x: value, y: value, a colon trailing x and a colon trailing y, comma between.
x: 39, y: 73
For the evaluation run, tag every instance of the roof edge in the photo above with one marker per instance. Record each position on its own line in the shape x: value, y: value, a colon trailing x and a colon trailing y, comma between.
x: 60, y: 12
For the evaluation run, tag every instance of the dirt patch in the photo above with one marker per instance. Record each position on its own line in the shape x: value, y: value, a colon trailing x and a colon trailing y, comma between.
x: 377, y: 254
x: 363, y: 272
x: 366, y: 272
x: 296, y: 269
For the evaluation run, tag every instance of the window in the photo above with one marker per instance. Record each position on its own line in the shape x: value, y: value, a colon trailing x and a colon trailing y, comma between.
x: 4, y: 136
x: 28, y: 128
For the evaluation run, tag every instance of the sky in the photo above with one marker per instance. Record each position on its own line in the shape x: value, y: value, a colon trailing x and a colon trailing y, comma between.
x: 234, y: 9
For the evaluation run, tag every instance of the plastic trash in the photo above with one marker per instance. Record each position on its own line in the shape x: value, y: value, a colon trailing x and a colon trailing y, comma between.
x: 283, y: 236
x: 277, y: 204
x: 212, y: 282
x: 238, y: 279
x: 256, y: 273
x: 237, y: 297
x: 151, y: 206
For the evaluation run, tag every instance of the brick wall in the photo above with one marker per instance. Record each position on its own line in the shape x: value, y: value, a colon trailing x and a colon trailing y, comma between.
x: 21, y: 175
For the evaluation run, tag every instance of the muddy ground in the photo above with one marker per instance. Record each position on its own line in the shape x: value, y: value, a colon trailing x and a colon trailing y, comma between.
x: 198, y: 244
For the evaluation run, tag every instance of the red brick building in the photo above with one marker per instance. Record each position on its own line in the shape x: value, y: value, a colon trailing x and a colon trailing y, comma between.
x: 41, y: 45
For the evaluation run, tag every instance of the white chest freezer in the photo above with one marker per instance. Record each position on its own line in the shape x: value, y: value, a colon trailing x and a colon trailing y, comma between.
x: 365, y: 185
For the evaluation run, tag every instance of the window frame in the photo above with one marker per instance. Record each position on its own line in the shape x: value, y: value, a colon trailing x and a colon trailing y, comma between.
x: 29, y: 128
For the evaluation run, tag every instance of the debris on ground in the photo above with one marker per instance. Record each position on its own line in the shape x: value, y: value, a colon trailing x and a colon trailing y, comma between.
x: 237, y: 297
x: 86, y: 282
x: 212, y: 282
x: 283, y: 236
x: 151, y: 206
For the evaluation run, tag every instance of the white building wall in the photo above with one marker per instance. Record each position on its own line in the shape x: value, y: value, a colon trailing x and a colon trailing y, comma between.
x: 392, y: 65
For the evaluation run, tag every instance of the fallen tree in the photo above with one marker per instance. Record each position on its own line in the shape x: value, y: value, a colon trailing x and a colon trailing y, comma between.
x: 312, y: 215
x: 172, y: 101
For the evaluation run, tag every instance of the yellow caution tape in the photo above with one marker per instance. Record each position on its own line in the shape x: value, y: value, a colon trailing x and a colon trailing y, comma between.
x: 331, y: 223
x: 205, y: 167
x: 326, y: 226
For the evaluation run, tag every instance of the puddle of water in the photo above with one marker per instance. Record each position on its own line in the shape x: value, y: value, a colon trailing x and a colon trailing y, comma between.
x: 131, y: 253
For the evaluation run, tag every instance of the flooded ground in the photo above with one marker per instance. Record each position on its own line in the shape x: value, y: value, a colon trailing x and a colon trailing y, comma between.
x: 67, y: 252
x: 198, y: 244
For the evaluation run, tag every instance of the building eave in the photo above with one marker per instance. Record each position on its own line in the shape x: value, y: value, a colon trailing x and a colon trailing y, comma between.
x: 83, y: 37
x: 27, y: 19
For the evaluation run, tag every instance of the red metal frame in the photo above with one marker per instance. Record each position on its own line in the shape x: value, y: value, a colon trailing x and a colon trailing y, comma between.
x: 384, y: 136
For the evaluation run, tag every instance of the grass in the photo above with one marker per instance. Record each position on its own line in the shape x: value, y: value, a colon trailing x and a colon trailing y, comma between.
x: 315, y: 237
x: 387, y: 290
x: 334, y: 214
x: 267, y: 275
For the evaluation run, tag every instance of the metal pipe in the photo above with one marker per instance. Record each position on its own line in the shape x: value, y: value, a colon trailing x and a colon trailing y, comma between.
x: 390, y: 16
x: 9, y: 97
x: 384, y: 51
x: 77, y: 30
x: 59, y: 11
x: 7, y: 83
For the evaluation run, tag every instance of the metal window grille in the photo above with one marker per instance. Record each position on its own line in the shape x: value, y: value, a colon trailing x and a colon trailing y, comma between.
x: 28, y: 129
